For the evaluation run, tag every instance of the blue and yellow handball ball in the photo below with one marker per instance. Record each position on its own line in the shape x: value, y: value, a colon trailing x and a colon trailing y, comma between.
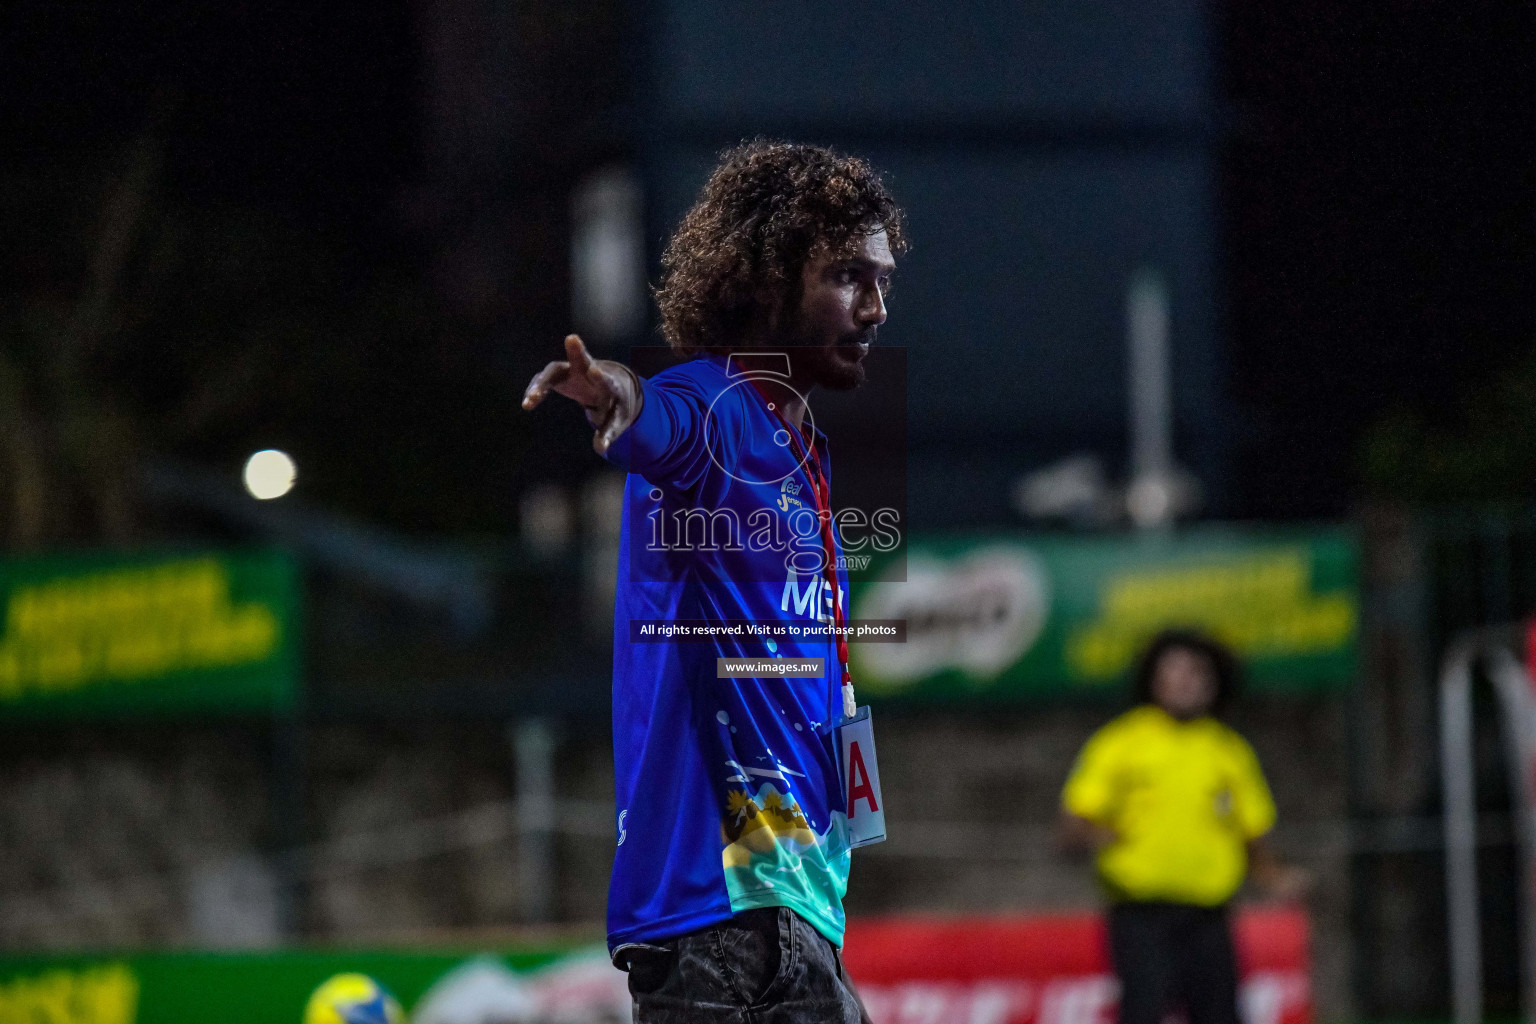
x: 353, y: 999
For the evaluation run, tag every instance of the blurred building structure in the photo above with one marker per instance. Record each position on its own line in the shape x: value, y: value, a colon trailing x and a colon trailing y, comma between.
x: 1044, y: 154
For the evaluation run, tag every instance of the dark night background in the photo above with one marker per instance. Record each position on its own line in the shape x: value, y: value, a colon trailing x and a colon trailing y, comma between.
x: 1376, y: 230
x: 345, y: 230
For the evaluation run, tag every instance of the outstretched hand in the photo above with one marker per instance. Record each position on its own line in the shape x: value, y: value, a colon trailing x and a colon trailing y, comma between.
x: 608, y: 391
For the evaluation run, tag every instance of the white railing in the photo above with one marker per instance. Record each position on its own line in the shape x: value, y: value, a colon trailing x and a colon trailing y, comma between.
x: 1495, y: 650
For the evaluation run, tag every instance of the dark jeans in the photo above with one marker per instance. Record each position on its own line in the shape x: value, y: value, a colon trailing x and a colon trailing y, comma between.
x: 763, y: 966
x: 1172, y: 955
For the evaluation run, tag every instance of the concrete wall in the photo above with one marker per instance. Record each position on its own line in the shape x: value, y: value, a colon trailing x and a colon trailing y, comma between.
x: 145, y: 837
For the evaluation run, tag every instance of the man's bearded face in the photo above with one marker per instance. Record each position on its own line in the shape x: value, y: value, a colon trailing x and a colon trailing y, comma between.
x: 842, y: 305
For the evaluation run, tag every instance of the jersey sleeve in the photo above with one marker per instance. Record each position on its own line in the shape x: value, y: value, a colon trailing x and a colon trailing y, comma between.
x: 667, y: 443
x: 1252, y: 803
x: 1089, y: 792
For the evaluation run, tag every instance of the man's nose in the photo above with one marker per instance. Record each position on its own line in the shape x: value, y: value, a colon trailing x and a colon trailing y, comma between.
x: 872, y: 308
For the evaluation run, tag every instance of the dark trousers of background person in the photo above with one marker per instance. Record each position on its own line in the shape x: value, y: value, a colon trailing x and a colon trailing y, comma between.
x: 1173, y: 956
x: 763, y: 966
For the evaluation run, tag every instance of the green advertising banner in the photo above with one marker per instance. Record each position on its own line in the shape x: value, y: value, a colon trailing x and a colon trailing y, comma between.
x: 272, y: 988
x: 1023, y: 616
x: 99, y: 635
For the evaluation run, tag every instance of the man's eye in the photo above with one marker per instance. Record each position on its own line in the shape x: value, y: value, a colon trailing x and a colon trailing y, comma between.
x: 845, y: 276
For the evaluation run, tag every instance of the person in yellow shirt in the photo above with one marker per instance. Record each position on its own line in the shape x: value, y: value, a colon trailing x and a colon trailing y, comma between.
x: 1174, y: 807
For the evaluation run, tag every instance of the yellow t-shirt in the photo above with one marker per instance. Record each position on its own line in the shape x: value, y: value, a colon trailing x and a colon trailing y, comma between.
x: 1185, y: 799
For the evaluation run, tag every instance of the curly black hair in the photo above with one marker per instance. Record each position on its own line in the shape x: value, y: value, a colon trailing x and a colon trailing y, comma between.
x: 1224, y: 665
x: 738, y: 254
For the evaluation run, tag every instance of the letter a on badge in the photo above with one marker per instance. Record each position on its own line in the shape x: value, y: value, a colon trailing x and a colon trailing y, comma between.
x: 858, y: 780
x: 861, y: 781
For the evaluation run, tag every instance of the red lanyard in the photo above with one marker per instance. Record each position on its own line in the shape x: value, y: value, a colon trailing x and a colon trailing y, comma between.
x: 829, y: 550
x: 806, y: 453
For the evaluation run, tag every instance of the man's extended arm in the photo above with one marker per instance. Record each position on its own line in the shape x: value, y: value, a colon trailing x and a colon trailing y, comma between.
x: 656, y: 428
x: 609, y: 391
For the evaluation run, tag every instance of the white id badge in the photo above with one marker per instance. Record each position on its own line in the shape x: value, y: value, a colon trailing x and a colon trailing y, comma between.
x: 861, y: 780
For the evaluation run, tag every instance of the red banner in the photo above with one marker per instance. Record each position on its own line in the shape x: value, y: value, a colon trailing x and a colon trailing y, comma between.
x: 1048, y: 970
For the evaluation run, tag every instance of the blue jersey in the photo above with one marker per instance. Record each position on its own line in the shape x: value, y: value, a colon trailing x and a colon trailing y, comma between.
x: 727, y: 789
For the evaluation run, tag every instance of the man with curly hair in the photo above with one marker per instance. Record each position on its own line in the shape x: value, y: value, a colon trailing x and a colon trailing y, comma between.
x: 733, y: 832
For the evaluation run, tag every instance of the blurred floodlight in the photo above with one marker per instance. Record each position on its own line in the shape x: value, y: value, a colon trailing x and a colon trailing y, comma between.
x: 1160, y: 491
x: 602, y: 513
x: 1074, y: 489
x: 1155, y: 500
x: 1150, y: 501
x: 1151, y: 379
x: 269, y: 474
x: 608, y: 255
